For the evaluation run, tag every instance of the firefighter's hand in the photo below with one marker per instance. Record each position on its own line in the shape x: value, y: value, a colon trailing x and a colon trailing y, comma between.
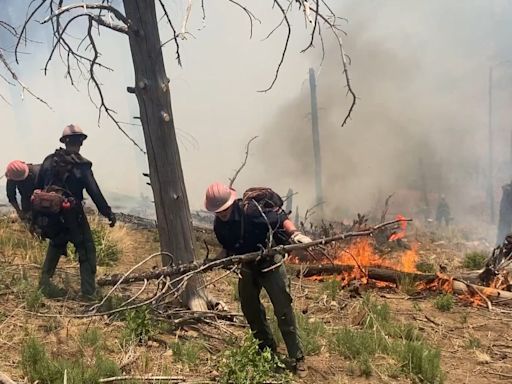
x: 300, y: 238
x: 112, y: 219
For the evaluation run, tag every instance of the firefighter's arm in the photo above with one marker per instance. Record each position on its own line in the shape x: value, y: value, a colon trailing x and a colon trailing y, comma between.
x: 296, y: 236
x: 92, y: 188
x: 11, y: 195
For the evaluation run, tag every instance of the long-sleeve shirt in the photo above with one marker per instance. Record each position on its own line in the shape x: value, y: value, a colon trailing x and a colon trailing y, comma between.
x: 72, y: 172
x: 25, y: 188
x: 244, y: 233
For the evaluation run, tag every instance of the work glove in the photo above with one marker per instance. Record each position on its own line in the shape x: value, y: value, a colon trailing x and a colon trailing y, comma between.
x: 300, y: 238
x: 112, y: 219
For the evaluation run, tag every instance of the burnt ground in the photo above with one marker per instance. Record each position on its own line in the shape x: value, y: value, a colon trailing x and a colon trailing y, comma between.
x: 475, y: 343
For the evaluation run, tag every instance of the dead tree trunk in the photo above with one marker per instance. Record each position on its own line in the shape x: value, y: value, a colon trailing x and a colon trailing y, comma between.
x: 152, y: 91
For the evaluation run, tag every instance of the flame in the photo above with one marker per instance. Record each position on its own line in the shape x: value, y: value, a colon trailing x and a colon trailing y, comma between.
x: 403, y: 229
x: 362, y: 254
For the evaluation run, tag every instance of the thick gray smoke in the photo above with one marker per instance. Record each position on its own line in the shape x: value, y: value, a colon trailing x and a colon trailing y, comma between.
x: 420, y: 70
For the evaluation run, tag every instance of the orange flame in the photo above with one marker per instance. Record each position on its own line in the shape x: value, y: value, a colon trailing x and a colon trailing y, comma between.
x: 403, y: 229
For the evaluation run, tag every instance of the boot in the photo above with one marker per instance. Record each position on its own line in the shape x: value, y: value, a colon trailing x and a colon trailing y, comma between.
x: 300, y: 368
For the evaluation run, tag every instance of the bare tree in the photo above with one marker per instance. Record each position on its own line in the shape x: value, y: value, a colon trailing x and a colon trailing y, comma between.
x: 139, y: 22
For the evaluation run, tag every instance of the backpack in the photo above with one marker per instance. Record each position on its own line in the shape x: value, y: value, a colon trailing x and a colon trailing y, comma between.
x: 263, y: 197
x: 48, y: 203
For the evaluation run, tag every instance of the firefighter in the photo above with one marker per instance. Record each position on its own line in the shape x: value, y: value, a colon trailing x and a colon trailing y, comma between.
x: 21, y: 178
x: 505, y: 215
x: 443, y: 211
x: 68, y: 172
x: 240, y: 229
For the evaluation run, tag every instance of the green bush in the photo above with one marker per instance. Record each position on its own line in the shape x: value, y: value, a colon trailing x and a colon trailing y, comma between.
x: 246, y: 364
x: 419, y: 361
x: 139, y: 325
x: 444, y: 302
x: 92, y: 337
x: 474, y: 260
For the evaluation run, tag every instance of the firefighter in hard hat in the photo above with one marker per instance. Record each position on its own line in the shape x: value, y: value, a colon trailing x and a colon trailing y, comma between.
x: 240, y: 229
x: 21, y: 178
x: 66, y: 171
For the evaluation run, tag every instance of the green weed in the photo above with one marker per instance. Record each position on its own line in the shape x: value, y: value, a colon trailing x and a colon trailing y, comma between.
x: 444, y: 302
x: 187, y: 352
x: 474, y: 260
x: 139, y: 325
x: 330, y: 288
x: 425, y: 267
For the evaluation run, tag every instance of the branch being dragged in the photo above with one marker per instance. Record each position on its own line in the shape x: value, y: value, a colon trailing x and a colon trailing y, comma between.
x: 184, y: 271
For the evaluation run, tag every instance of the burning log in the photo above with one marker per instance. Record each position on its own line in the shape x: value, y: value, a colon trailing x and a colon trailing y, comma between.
x: 381, y: 274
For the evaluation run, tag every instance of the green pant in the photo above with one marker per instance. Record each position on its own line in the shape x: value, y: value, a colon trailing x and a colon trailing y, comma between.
x: 275, y: 283
x: 77, y: 231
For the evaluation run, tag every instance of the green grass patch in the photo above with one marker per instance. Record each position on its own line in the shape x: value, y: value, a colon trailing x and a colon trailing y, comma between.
x: 107, y: 250
x: 425, y: 267
x: 444, y: 302
x: 403, y: 344
x: 474, y: 260
x: 331, y: 288
x: 38, y: 366
x: 186, y: 352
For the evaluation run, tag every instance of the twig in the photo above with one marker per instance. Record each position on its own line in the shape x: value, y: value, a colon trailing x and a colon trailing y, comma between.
x: 247, y: 147
x: 285, y: 48
x: 175, y: 379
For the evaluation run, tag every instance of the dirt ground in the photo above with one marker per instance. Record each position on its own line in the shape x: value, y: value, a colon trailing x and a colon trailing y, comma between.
x: 475, y: 343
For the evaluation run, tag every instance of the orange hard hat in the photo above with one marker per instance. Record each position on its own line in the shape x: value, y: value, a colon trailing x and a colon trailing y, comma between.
x: 219, y: 197
x: 16, y: 170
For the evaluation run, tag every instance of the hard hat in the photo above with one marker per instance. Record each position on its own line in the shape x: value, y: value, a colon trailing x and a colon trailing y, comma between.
x: 16, y: 170
x: 72, y: 130
x: 219, y: 197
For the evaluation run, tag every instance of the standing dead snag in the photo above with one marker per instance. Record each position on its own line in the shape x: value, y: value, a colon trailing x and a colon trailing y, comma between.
x: 152, y: 91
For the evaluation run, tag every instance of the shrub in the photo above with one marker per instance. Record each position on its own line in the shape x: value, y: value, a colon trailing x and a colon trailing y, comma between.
x: 107, y: 250
x: 474, y: 260
x: 425, y: 267
x: 246, y: 364
x: 331, y: 288
x: 186, y: 352
x: 139, y: 325
x: 444, y: 302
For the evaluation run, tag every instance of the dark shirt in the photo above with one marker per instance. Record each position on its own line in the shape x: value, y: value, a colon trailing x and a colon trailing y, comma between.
x: 78, y: 178
x: 244, y: 233
x: 24, y: 187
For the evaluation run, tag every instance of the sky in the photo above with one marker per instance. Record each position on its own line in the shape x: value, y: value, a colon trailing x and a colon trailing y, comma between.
x: 420, y: 70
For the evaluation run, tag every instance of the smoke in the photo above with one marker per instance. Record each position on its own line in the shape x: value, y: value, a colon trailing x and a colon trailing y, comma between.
x: 420, y: 71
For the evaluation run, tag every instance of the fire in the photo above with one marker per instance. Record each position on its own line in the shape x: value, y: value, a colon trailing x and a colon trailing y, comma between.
x: 358, y: 257
x: 362, y: 254
x: 403, y: 229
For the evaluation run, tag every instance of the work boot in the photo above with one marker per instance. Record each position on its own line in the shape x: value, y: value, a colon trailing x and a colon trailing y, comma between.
x: 301, y: 370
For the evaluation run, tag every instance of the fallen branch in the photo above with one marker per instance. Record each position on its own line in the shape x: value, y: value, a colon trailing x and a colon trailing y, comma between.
x: 172, y: 379
x: 4, y: 379
x: 208, y: 265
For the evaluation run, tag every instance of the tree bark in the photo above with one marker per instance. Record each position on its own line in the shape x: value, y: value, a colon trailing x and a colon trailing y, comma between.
x: 152, y: 90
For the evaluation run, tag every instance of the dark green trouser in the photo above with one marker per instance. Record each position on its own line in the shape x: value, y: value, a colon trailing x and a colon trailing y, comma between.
x: 77, y: 231
x: 275, y: 283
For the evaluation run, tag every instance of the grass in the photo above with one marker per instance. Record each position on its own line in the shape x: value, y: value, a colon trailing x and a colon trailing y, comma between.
x: 473, y: 343
x: 380, y: 335
x: 425, y: 267
x: 311, y: 332
x: 330, y: 288
x: 186, y: 352
x: 16, y: 242
x: 38, y: 366
x: 475, y: 260
x: 246, y: 364
x: 107, y: 250
x: 407, y: 285
x: 444, y: 302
